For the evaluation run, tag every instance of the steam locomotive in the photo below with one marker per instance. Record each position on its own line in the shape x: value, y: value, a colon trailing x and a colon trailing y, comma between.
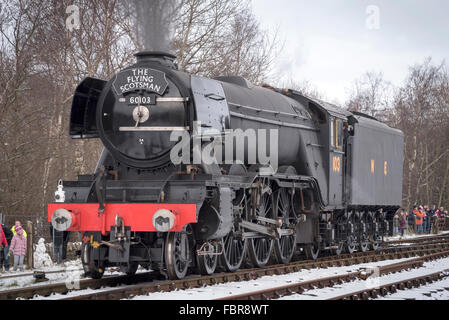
x: 337, y: 182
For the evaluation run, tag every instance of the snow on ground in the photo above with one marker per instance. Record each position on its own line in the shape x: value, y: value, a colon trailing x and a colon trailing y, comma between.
x: 25, y: 279
x: 433, y: 291
x: 338, y: 290
x: 71, y: 294
x: 71, y: 270
x: 234, y: 288
x: 71, y: 282
x: 413, y: 236
x: 68, y: 271
x: 71, y: 273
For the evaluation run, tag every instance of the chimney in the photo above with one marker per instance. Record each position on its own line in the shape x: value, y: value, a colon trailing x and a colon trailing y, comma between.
x: 163, y: 58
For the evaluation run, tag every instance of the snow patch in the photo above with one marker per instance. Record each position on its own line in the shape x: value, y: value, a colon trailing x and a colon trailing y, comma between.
x: 414, y: 236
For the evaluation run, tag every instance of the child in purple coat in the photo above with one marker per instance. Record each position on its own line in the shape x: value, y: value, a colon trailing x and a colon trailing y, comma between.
x: 18, y: 248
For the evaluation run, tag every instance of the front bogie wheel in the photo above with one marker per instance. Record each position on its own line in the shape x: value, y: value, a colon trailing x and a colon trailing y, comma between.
x: 178, y: 253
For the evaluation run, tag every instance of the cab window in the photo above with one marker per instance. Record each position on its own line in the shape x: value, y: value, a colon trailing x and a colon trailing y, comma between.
x: 333, y: 132
x: 336, y: 133
x: 339, y: 134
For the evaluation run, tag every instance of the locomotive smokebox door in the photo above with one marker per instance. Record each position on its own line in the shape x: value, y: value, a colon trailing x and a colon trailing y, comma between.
x: 115, y: 254
x: 210, y: 102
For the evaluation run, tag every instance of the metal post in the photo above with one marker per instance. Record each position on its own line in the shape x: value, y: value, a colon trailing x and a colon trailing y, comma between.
x: 30, y: 249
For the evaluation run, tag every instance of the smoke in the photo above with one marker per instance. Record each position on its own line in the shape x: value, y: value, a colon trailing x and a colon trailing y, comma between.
x: 154, y: 22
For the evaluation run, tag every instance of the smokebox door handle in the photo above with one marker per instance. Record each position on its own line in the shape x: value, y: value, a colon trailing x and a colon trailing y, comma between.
x: 214, y: 96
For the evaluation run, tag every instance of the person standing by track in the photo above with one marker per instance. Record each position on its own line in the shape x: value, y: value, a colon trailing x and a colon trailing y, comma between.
x: 396, y: 222
x: 18, y: 248
x: 57, y: 240
x: 411, y: 222
x: 430, y: 218
x: 440, y: 212
x: 3, y: 244
x: 420, y: 214
x: 14, y: 228
x: 8, y: 235
x: 425, y: 219
x: 402, y: 222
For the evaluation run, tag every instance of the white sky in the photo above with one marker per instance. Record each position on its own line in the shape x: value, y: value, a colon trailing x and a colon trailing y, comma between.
x: 329, y: 44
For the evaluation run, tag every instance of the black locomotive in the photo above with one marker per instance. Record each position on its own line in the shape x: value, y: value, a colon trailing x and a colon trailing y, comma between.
x: 337, y: 181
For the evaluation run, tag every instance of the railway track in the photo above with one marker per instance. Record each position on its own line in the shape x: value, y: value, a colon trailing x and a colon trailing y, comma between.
x: 252, y: 274
x: 301, y: 287
x: 393, y: 287
x: 63, y: 288
x: 145, y: 283
x: 419, y: 239
x: 434, y: 239
x: 31, y: 274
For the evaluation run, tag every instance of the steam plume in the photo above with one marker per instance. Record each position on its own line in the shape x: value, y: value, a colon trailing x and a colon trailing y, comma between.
x: 154, y: 22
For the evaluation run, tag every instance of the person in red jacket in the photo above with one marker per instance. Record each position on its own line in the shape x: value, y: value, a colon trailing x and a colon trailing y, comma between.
x: 4, y: 260
x: 3, y: 238
x: 420, y: 214
x: 3, y: 244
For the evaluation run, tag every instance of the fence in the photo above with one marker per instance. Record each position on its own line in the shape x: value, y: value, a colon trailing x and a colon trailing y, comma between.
x: 441, y: 224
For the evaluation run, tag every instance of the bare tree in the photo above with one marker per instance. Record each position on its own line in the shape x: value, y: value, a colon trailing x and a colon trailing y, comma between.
x: 421, y: 111
x: 215, y: 37
x: 20, y: 118
x: 371, y: 94
x: 305, y: 87
x: 42, y: 62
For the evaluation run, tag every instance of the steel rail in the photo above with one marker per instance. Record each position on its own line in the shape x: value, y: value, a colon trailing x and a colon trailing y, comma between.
x: 393, y: 287
x: 418, y: 239
x: 301, y: 287
x: 241, y: 275
x: 63, y: 288
x: 30, y: 274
